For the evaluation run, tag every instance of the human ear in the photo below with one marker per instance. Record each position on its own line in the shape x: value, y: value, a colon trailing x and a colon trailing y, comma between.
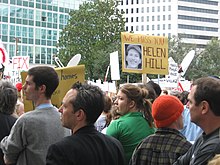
x: 205, y: 107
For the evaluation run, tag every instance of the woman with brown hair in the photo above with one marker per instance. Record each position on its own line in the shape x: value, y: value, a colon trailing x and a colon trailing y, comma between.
x: 136, y: 121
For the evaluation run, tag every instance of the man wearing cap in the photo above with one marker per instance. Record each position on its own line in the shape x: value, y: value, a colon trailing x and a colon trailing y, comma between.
x: 204, y: 108
x: 133, y: 57
x: 167, y: 144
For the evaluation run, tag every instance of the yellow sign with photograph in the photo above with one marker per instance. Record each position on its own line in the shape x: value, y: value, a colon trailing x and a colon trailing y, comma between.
x: 67, y: 76
x: 144, y: 53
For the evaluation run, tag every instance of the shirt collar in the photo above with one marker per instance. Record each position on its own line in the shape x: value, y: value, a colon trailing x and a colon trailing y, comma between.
x: 45, y: 105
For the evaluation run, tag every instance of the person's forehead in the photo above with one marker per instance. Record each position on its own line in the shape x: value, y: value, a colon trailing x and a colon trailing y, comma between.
x: 70, y: 95
x: 192, y: 91
x: 133, y: 50
x: 120, y: 93
x: 29, y: 78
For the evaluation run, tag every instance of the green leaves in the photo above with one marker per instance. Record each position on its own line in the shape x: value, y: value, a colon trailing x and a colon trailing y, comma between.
x: 90, y: 31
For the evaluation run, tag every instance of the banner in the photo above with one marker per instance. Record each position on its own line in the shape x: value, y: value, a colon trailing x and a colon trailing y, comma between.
x: 67, y: 76
x: 144, y: 54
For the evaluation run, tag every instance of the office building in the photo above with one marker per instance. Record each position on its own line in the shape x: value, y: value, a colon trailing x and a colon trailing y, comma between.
x: 31, y: 27
x: 196, y: 21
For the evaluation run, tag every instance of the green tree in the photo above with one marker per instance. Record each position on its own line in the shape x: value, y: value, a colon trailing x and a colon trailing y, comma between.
x: 177, y: 49
x: 207, y: 62
x: 94, y: 32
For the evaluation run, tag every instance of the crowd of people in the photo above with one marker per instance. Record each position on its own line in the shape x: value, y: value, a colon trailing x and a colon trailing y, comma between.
x: 141, y: 125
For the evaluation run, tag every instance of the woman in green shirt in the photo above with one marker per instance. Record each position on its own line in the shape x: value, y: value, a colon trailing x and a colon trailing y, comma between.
x: 136, y: 121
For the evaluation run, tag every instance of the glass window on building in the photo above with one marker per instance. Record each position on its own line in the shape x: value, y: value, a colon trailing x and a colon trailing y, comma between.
x: 49, y: 56
x: 49, y: 34
x: 30, y: 32
x: 12, y: 2
x: 147, y: 9
x: 158, y: 27
x: 4, y: 19
x: 49, y: 17
x: 37, y: 55
x: 158, y: 18
x: 38, y: 33
x: 152, y: 18
x: 38, y: 15
x: 43, y: 56
x: 169, y: 17
x: 19, y: 2
x: 169, y: 26
x: 158, y: 8
x: 11, y: 51
x: 12, y: 30
x: 49, y: 7
x: 31, y: 4
x: 147, y: 27
x: 169, y: 8
x: 24, y: 32
x: 18, y: 31
x: 24, y: 51
x: 164, y: 17
x: 55, y: 18
x: 31, y: 14
x: 152, y: 27
x: 43, y: 33
x: 30, y: 54
x: 54, y: 35
x: 55, y: 8
x: 44, y: 7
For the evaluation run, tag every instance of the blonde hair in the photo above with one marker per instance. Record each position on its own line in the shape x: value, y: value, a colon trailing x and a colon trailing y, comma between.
x: 215, y: 160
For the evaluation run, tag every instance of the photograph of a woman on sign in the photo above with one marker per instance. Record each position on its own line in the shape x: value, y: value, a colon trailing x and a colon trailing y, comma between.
x: 133, y: 56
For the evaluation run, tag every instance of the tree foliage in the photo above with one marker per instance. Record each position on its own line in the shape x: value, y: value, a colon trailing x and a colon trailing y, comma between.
x: 94, y: 32
x: 207, y: 62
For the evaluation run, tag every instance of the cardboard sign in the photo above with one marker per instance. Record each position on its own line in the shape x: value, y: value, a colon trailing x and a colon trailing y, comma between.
x: 67, y: 76
x: 144, y: 54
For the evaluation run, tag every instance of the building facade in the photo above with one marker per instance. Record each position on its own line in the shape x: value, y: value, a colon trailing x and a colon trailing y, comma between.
x: 31, y: 27
x: 196, y: 21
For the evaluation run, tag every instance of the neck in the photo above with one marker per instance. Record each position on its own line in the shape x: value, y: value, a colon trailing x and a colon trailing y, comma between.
x: 77, y: 127
x: 209, y: 129
x: 43, y: 101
